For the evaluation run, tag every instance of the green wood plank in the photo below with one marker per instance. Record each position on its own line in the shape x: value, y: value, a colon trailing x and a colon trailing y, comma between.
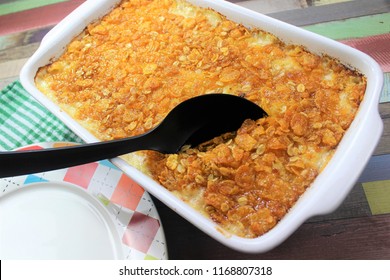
x: 345, y: 29
x: 22, y: 5
x: 378, y: 196
x: 334, y: 12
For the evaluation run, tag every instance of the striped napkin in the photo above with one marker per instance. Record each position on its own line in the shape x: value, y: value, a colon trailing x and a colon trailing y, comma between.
x: 24, y: 121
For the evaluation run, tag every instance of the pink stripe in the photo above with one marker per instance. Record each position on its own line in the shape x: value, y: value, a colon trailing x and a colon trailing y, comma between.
x: 38, y: 17
x: 81, y: 175
x: 378, y: 47
x: 140, y: 232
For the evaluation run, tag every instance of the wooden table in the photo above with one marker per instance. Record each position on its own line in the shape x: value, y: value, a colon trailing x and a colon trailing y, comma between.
x: 360, y: 228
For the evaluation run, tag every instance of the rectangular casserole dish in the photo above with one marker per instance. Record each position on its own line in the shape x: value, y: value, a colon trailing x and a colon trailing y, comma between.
x: 327, y: 191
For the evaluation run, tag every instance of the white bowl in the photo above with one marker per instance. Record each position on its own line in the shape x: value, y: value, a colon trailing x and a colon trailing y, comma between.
x: 327, y: 191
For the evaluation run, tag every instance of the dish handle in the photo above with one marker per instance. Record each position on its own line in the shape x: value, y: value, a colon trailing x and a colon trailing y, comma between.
x: 371, y: 132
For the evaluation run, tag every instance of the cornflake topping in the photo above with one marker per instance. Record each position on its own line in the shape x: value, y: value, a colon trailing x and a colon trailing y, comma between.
x: 123, y: 74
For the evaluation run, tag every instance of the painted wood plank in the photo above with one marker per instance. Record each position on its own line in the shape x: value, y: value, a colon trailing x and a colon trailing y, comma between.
x: 355, y: 205
x: 378, y: 196
x: 11, y: 68
x: 325, y: 2
x: 378, y: 47
x: 19, y: 39
x: 360, y: 238
x: 334, y: 12
x: 385, y: 96
x: 29, y: 19
x: 22, y: 5
x: 384, y: 143
x: 343, y: 29
x: 384, y: 109
x: 266, y: 7
x: 15, y: 53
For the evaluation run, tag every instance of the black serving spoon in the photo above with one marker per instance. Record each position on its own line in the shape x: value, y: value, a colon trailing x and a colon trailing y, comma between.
x: 190, y: 123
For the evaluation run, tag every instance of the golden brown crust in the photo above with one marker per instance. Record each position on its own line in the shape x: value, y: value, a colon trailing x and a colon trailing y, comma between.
x: 125, y: 73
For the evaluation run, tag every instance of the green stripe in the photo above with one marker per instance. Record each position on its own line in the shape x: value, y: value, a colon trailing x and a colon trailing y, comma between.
x: 23, y: 5
x: 15, y: 131
x: 17, y: 123
x: 4, y: 114
x: 345, y: 29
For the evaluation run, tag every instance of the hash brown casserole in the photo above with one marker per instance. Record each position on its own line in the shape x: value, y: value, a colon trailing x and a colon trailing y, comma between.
x: 124, y: 73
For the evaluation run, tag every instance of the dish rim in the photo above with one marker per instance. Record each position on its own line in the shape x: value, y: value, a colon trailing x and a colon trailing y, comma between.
x: 319, y: 198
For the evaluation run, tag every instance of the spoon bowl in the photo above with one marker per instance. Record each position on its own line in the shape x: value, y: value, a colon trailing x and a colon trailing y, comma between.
x: 192, y: 122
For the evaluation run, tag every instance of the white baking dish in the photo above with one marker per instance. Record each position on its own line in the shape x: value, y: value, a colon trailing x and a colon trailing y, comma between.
x: 330, y: 187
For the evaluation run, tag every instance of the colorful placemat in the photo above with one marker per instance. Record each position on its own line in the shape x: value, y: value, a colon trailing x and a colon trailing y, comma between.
x: 131, y: 208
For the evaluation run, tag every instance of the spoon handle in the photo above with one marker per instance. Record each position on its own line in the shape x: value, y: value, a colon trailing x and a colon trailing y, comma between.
x: 26, y: 162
